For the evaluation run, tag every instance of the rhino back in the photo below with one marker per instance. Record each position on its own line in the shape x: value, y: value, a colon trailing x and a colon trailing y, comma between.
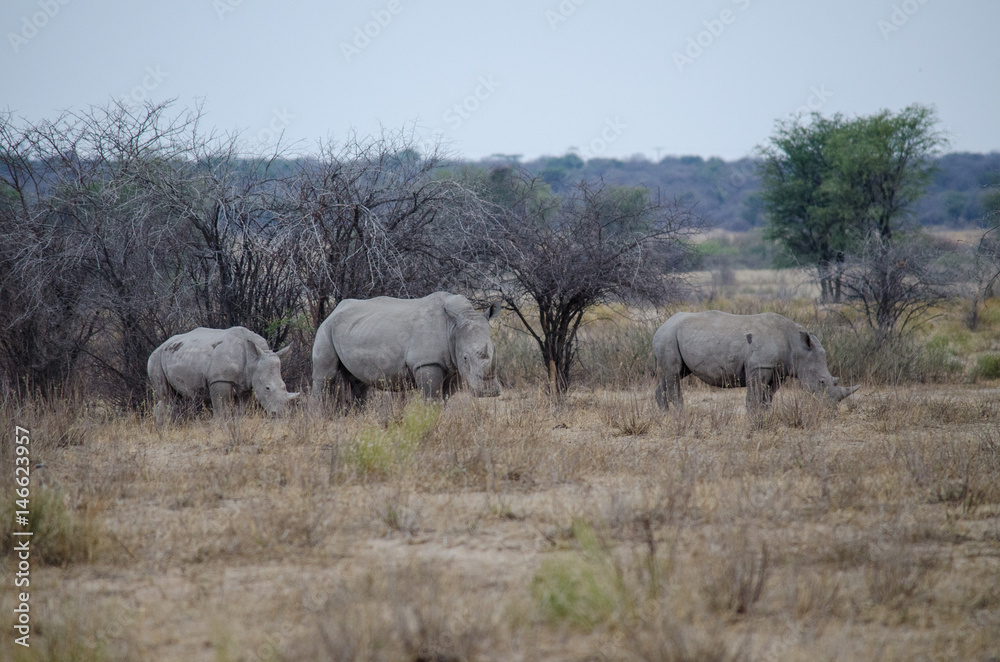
x: 715, y: 346
x: 193, y: 360
x: 384, y: 338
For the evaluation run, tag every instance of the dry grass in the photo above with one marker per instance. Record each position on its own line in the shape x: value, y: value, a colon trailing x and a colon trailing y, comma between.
x: 512, y: 529
x: 509, y: 529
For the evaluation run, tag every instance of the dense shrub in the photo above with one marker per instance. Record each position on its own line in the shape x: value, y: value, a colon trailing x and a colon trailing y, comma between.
x: 987, y: 367
x: 861, y: 357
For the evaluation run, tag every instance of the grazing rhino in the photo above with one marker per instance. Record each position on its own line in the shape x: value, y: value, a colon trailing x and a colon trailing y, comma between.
x: 756, y: 351
x: 218, y: 365
x: 435, y: 343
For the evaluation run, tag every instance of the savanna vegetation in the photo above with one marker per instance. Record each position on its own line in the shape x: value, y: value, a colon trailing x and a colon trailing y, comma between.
x: 567, y: 519
x: 521, y: 528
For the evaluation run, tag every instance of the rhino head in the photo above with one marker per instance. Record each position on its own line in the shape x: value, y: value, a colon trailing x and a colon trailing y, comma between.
x: 809, y: 366
x: 472, y: 348
x: 268, y: 387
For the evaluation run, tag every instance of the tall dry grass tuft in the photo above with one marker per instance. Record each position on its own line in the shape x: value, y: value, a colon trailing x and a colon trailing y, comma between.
x: 60, y: 535
x: 414, y: 611
x: 616, y: 351
x: 662, y: 637
x: 723, y: 415
x: 66, y: 524
x: 951, y: 470
x: 482, y: 444
x: 73, y: 630
x: 739, y: 574
x: 629, y: 414
x: 896, y: 572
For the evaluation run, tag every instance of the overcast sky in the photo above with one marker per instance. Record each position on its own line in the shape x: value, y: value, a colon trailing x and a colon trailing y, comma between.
x: 609, y: 79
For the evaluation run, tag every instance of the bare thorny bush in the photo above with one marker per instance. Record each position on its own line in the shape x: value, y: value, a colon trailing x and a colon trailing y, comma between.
x: 129, y: 224
x: 550, y: 259
x: 373, y: 217
x: 894, y: 284
x: 125, y: 225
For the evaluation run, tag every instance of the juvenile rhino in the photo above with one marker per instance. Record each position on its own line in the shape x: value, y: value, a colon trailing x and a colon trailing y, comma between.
x: 435, y: 343
x: 756, y: 351
x: 218, y: 365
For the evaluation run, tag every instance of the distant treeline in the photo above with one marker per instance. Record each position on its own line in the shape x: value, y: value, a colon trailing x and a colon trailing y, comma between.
x: 727, y: 192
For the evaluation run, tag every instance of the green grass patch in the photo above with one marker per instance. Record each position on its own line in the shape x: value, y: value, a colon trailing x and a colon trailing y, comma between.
x: 380, y: 451
x: 59, y: 535
x: 987, y: 367
x: 580, y: 588
x: 989, y: 316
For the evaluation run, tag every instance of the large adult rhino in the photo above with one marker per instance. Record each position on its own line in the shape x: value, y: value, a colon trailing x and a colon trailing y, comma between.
x: 756, y: 351
x: 217, y: 365
x: 435, y: 343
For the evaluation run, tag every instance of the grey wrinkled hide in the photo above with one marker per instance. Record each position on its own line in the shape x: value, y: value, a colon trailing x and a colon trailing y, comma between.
x: 756, y: 351
x: 435, y: 343
x: 217, y: 365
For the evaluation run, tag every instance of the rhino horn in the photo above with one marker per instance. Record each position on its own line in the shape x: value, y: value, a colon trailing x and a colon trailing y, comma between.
x: 292, y: 396
x: 841, y: 392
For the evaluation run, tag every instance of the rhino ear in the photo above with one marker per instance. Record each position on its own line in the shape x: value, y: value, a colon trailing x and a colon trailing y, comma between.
x: 252, y: 350
x: 282, y: 353
x: 493, y: 310
x: 806, y: 339
x: 453, y: 307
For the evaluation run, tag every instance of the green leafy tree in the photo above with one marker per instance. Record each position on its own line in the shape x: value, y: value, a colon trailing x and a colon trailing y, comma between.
x: 798, y: 202
x: 882, y: 164
x: 828, y: 184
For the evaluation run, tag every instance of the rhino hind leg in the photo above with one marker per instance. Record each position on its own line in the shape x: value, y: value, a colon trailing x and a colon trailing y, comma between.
x: 345, y: 390
x: 358, y: 390
x: 164, y: 409
x: 327, y: 374
x: 222, y: 398
x: 668, y: 391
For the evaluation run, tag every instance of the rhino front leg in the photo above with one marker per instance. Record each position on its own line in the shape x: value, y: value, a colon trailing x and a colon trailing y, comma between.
x: 222, y: 398
x: 430, y: 379
x: 761, y: 385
